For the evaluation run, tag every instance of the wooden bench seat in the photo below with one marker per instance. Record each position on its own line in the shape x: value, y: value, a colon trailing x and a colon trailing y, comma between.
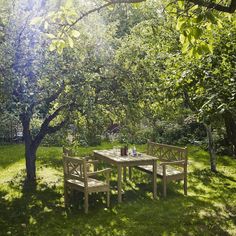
x: 170, y: 170
x: 172, y: 163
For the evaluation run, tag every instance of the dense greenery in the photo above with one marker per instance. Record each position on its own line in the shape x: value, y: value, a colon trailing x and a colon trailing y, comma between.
x: 209, y: 208
x: 84, y: 73
x: 158, y: 70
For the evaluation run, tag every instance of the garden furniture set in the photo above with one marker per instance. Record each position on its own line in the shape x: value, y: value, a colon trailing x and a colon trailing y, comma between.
x: 160, y: 160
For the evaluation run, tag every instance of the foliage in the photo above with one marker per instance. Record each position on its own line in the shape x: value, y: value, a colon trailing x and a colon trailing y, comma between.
x: 123, y: 64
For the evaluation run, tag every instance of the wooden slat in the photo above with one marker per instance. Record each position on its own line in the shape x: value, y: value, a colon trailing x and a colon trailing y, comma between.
x: 76, y: 176
x: 173, y: 165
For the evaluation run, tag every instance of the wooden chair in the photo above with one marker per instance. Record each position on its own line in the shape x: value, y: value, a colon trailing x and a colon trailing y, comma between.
x: 172, y: 163
x: 67, y: 151
x: 78, y: 177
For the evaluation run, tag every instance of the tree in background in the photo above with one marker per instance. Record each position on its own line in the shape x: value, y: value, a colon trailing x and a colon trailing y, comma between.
x: 42, y: 84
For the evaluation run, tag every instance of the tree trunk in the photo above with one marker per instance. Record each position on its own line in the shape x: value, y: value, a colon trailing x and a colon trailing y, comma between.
x: 230, y: 125
x: 30, y: 152
x: 211, y: 148
x: 30, y: 159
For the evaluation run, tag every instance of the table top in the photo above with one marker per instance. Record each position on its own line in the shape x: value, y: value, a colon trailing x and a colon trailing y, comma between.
x: 115, y: 157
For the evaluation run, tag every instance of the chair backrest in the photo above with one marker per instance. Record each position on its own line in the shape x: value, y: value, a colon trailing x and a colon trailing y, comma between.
x: 67, y: 151
x: 75, y: 168
x: 166, y: 152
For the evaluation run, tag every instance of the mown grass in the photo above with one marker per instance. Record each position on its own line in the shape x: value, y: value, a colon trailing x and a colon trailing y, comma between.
x: 209, y: 208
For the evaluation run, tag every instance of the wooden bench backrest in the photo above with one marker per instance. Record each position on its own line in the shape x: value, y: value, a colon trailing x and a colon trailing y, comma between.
x: 166, y: 152
x: 75, y: 168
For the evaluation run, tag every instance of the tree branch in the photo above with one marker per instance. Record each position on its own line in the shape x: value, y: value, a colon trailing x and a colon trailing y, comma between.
x: 53, y: 115
x: 125, y: 1
x: 53, y: 129
x: 45, y: 129
x: 111, y: 2
x: 211, y: 5
x: 56, y: 94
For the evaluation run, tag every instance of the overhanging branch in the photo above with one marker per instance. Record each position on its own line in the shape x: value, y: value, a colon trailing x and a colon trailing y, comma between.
x: 109, y: 3
x: 55, y: 95
x: 53, y: 129
x: 45, y: 128
x: 208, y: 4
x: 212, y: 5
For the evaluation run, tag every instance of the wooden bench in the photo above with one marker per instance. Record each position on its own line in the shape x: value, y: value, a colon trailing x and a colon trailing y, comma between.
x: 172, y: 165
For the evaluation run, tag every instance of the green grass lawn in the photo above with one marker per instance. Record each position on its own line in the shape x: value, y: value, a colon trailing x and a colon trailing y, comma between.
x: 209, y: 208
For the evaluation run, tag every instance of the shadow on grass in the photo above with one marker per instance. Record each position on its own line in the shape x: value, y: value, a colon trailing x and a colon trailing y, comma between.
x: 208, y: 210
x: 39, y: 211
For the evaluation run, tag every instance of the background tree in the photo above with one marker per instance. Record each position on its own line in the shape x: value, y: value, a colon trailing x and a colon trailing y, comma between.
x: 44, y: 85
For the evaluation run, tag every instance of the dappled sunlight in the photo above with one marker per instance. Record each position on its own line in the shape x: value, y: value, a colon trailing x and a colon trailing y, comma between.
x: 9, y: 154
x: 90, y: 75
x: 50, y: 176
x: 7, y: 174
x: 208, y: 208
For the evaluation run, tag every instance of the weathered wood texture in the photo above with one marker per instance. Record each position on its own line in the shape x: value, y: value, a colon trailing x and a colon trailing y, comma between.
x: 172, y: 163
x: 77, y: 176
x: 115, y: 159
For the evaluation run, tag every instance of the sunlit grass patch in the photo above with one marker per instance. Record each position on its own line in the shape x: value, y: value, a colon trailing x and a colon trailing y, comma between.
x: 209, y: 208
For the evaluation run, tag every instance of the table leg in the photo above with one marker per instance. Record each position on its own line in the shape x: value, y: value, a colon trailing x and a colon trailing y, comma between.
x: 125, y: 174
x: 130, y: 172
x: 119, y: 183
x: 154, y: 179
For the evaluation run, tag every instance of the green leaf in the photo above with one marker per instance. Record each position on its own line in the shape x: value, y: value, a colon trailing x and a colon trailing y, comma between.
x: 180, y: 23
x: 210, y: 47
x: 182, y: 38
x: 205, y: 48
x: 46, y: 25
x: 185, y: 46
x: 36, y: 20
x: 191, y: 52
x: 71, y: 42
x: 60, y: 46
x: 52, y: 47
x: 75, y: 33
x: 199, y: 18
x: 196, y: 32
x: 210, y: 16
x: 51, y: 36
x: 181, y: 4
x: 60, y: 50
x: 209, y: 26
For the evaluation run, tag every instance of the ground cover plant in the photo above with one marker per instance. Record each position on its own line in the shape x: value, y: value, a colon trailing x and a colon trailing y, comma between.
x: 209, y: 208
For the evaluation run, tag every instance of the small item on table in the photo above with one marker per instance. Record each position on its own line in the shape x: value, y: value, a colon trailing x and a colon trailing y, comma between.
x: 134, y: 152
x: 124, y: 151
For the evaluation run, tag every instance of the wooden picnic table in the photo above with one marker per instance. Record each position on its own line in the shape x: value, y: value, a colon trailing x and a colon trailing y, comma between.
x: 115, y: 159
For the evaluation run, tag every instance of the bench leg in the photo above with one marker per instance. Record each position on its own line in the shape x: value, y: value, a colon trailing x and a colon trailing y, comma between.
x: 119, y: 184
x: 108, y: 198
x: 154, y: 179
x: 185, y: 185
x: 164, y: 187
x: 86, y: 205
x: 66, y: 196
x: 164, y: 180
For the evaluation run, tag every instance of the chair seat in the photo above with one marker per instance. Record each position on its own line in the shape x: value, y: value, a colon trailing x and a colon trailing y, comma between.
x: 170, y: 170
x: 91, y: 182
